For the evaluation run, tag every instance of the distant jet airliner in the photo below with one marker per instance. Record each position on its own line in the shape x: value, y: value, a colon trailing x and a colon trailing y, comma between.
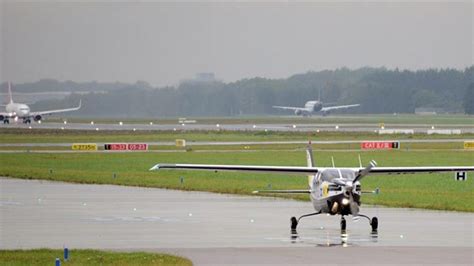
x: 312, y: 107
x: 22, y: 111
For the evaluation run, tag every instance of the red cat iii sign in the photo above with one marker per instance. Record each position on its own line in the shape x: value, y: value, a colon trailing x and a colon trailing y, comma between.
x: 379, y: 145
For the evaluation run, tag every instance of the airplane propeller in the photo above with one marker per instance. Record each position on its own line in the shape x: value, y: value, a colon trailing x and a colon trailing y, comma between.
x: 348, y: 186
x: 365, y: 171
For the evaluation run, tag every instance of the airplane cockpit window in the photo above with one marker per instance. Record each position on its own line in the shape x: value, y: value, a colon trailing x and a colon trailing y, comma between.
x: 329, y: 174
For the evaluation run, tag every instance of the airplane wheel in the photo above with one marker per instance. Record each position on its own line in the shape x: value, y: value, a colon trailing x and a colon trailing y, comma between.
x: 294, y: 223
x: 374, y: 223
x: 343, y: 224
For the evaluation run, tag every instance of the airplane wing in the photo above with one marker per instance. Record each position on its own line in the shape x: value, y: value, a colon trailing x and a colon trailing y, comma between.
x: 419, y: 169
x: 6, y: 115
x: 331, y: 108
x: 311, y: 170
x: 290, y: 108
x: 57, y: 111
x: 246, y: 168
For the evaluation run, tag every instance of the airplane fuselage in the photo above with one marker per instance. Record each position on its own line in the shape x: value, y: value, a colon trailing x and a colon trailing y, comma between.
x: 328, y: 197
x: 22, y: 111
x: 18, y: 110
x: 310, y: 107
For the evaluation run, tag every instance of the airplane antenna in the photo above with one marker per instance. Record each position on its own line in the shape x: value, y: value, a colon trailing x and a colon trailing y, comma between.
x: 360, y: 162
x: 333, y: 164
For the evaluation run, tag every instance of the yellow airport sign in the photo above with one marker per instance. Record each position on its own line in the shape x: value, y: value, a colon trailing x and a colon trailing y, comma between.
x: 180, y: 143
x: 469, y: 145
x: 84, y: 146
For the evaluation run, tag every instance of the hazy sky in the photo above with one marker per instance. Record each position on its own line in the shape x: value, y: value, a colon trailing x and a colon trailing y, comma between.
x: 163, y: 43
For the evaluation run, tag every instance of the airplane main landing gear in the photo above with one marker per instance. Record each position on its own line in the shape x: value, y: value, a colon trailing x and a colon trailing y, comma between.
x: 374, y: 222
x: 6, y: 121
x: 27, y: 121
x: 294, y: 221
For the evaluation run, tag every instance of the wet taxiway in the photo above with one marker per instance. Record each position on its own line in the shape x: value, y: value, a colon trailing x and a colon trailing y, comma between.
x: 222, y: 229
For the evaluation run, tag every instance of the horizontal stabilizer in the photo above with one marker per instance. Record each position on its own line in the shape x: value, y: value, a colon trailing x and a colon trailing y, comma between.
x: 291, y: 191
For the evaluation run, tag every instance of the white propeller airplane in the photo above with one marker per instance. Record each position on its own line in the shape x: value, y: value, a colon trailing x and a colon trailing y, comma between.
x: 22, y: 111
x: 335, y: 191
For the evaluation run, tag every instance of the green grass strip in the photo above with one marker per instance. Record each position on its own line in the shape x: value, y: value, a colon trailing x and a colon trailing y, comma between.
x: 87, y: 257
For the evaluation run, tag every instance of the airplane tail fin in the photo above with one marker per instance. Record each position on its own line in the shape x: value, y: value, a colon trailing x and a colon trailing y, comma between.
x: 309, y: 161
x: 10, y: 92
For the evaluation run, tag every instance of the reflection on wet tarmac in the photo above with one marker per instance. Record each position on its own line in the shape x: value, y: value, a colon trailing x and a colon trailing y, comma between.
x: 328, y: 238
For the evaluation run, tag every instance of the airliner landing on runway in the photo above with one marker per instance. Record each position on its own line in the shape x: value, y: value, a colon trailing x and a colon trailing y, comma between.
x: 22, y: 111
x: 312, y: 107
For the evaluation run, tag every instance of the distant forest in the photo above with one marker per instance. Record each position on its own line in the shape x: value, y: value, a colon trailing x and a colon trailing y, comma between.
x: 378, y: 90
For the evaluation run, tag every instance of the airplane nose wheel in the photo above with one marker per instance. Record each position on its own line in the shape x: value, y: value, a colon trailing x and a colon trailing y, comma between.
x: 343, y: 223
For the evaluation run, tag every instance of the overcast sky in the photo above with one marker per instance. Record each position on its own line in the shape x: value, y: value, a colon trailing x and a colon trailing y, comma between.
x: 162, y: 43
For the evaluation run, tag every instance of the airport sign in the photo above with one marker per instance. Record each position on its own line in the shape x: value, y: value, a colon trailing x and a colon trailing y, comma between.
x: 180, y: 143
x: 115, y: 146
x: 378, y: 145
x: 137, y: 146
x: 126, y: 146
x: 84, y: 146
x: 469, y: 145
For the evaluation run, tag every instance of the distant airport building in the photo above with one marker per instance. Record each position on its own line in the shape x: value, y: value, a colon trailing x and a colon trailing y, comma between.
x: 201, y: 77
x: 205, y: 77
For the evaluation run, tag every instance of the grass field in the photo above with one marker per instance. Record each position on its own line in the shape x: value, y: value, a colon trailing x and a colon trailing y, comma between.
x: 11, y: 135
x: 87, y: 257
x: 435, y: 191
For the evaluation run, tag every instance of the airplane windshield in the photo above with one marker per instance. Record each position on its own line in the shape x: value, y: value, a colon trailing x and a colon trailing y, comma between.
x: 334, y: 173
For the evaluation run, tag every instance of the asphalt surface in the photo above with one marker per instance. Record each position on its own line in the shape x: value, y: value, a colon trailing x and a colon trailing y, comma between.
x: 216, y: 229
x: 465, y: 128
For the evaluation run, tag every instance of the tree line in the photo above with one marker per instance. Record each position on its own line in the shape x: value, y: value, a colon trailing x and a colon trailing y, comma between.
x: 378, y: 90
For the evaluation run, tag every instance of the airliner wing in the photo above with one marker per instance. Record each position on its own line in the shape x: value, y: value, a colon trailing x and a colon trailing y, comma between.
x: 6, y: 115
x: 57, y: 111
x: 331, y: 108
x: 290, y: 108
x: 246, y: 168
